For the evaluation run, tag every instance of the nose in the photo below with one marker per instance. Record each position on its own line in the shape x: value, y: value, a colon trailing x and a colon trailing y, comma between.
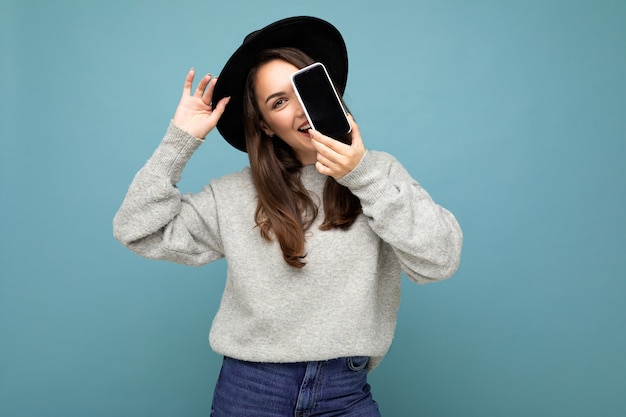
x: 299, y: 109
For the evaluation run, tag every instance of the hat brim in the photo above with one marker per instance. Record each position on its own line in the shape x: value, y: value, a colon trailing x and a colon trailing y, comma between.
x: 315, y: 37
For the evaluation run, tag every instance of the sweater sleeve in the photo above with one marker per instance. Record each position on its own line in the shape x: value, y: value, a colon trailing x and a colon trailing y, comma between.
x: 156, y: 221
x: 425, y: 237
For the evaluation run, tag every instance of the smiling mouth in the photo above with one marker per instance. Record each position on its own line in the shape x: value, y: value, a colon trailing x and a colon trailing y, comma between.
x: 305, y: 128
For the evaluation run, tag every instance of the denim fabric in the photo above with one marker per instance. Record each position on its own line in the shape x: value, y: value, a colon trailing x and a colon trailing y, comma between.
x: 335, y: 388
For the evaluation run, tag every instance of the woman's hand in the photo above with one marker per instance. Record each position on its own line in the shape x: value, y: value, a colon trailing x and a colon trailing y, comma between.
x: 335, y: 158
x: 194, y: 113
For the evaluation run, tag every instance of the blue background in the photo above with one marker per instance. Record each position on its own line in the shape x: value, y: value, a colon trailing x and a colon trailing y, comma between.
x: 512, y: 114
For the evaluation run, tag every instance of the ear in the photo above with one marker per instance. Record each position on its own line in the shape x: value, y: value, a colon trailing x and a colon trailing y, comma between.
x: 265, y: 128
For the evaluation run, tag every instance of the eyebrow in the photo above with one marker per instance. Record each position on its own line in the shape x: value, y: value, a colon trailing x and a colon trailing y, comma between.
x: 271, y: 96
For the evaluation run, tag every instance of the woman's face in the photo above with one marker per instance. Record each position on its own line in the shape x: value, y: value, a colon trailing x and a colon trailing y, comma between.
x: 281, y: 112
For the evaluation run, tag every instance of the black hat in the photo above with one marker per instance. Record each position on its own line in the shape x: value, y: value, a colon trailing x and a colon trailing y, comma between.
x: 315, y: 37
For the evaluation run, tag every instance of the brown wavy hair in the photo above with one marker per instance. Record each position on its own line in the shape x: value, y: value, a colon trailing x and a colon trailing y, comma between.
x: 285, y: 210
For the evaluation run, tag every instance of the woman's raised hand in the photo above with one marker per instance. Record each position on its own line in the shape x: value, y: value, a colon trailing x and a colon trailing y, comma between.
x: 335, y: 158
x: 194, y: 113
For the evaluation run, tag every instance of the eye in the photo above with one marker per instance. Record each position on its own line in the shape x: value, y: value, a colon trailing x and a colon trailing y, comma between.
x: 279, y: 103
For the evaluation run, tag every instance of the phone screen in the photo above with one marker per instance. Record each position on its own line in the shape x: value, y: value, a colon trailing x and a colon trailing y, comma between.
x: 320, y: 101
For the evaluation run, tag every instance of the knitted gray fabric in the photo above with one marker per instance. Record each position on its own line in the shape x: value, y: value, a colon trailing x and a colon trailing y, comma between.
x: 344, y: 302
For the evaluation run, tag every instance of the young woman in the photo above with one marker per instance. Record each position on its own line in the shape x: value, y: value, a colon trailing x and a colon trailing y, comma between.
x: 315, y: 232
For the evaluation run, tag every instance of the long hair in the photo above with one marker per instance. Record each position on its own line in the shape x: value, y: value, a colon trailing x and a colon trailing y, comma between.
x: 285, y: 210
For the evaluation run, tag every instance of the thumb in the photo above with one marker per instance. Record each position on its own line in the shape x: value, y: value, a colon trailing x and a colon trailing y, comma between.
x: 355, y: 134
x: 220, y: 108
x: 221, y: 105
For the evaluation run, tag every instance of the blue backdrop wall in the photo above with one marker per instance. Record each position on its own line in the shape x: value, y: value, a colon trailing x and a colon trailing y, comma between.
x: 511, y: 113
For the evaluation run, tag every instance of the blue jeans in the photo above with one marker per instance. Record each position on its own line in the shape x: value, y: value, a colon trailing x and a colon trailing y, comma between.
x: 335, y: 388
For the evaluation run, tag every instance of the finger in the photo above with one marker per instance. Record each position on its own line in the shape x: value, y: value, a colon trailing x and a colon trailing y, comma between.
x: 329, y: 157
x: 219, y: 109
x: 331, y: 166
x: 188, y: 82
x: 336, y: 165
x: 320, y: 157
x: 322, y: 169
x: 208, y: 93
x: 202, y: 86
x: 332, y: 149
x: 329, y: 142
x: 325, y: 151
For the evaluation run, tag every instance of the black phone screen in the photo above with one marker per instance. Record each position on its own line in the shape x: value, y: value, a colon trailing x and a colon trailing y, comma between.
x: 320, y: 101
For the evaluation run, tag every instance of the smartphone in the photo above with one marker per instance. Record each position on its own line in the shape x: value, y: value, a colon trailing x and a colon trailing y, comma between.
x: 320, y: 101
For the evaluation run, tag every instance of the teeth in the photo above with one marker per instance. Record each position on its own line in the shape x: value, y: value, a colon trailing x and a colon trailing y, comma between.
x: 305, y: 128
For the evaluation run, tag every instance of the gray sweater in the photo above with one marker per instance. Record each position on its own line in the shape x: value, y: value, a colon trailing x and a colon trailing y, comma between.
x: 344, y: 302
